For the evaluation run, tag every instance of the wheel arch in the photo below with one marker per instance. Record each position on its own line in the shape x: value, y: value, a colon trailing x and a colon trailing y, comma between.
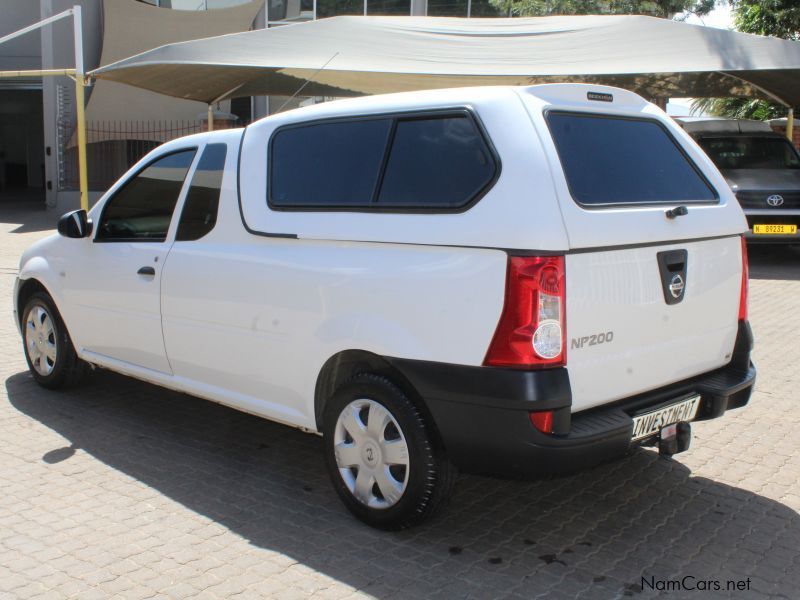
x: 27, y: 288
x: 345, y: 364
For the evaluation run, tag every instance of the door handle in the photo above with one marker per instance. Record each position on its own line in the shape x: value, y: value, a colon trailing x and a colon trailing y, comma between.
x: 678, y: 211
x: 147, y: 271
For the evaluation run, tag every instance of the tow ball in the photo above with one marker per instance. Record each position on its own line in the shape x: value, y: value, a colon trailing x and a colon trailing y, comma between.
x: 674, y: 438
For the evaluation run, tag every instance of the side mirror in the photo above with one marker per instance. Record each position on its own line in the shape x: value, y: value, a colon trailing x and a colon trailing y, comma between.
x: 75, y: 224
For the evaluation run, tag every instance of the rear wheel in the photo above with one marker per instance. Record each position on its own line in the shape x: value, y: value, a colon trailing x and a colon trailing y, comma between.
x: 49, y: 352
x: 383, y: 459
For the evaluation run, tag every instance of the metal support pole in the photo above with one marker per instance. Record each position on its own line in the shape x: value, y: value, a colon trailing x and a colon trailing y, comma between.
x: 211, y: 117
x: 80, y: 106
x: 39, y: 73
x: 35, y: 26
x: 469, y: 8
x: 83, y: 176
x: 790, y: 124
x: 80, y: 84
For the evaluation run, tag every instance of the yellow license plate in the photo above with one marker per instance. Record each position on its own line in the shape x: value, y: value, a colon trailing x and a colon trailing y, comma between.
x: 775, y: 229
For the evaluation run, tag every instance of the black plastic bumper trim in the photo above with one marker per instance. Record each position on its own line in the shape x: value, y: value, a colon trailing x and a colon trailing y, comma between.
x: 489, y: 389
x: 482, y: 412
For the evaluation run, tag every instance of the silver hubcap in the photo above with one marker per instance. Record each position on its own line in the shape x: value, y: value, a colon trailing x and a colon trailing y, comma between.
x: 40, y: 340
x: 371, y: 453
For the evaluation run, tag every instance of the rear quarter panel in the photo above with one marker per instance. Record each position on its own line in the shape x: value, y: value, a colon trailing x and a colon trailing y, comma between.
x: 271, y: 311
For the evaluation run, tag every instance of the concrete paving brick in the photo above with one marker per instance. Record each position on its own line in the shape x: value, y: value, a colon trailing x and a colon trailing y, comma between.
x: 121, y: 489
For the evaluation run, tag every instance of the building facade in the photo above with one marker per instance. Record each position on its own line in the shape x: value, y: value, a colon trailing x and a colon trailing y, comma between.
x: 38, y: 154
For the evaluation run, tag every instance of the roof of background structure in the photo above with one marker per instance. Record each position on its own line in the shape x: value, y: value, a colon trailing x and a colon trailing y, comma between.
x: 343, y: 56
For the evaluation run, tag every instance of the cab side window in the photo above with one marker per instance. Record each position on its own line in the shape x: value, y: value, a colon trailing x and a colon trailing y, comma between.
x: 199, y: 214
x: 142, y: 208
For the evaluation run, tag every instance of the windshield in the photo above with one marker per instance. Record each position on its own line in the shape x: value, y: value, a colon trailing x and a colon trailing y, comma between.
x: 745, y: 152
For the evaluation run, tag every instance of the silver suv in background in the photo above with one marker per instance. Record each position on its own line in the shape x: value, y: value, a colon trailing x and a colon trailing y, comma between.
x: 763, y: 169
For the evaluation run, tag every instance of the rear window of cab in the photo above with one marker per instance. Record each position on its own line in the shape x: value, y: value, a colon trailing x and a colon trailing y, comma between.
x: 612, y: 161
x: 440, y: 161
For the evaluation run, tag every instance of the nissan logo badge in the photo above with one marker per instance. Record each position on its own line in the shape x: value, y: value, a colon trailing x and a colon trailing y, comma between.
x: 676, y: 286
x: 775, y: 200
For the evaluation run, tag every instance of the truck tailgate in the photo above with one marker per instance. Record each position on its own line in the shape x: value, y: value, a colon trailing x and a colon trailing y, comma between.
x: 623, y: 337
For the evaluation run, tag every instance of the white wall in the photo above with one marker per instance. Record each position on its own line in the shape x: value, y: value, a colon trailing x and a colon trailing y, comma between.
x: 23, y: 52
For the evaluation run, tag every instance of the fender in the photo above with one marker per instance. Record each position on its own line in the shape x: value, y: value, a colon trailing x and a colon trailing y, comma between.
x: 370, y: 333
x: 41, y: 269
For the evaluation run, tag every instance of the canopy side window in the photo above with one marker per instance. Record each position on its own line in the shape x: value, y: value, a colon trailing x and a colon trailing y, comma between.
x: 327, y: 165
x: 439, y: 162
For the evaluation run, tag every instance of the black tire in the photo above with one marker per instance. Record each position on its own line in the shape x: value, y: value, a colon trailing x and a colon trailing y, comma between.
x: 67, y: 370
x: 431, y: 475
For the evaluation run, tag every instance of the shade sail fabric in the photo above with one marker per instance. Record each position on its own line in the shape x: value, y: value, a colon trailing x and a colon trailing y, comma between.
x: 130, y: 27
x: 344, y: 56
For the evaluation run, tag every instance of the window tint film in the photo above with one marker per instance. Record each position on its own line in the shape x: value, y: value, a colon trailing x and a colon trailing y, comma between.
x: 436, y: 162
x: 610, y: 160
x: 142, y: 209
x: 327, y: 164
x: 199, y: 214
x: 745, y: 152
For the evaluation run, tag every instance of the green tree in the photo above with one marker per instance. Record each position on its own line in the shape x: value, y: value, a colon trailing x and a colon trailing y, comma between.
x: 778, y: 18
x: 655, y: 8
x: 739, y: 108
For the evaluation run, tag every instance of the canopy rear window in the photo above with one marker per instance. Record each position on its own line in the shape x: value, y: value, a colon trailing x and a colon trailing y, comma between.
x: 622, y: 161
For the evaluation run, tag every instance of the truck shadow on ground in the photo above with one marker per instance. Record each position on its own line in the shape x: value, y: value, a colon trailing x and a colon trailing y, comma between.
x: 774, y: 261
x: 593, y: 534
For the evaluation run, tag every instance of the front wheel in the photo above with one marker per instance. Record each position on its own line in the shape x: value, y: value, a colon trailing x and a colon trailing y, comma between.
x: 49, y: 352
x: 382, y: 456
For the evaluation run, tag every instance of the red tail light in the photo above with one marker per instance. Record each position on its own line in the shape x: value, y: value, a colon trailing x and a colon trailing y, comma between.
x: 743, y: 297
x: 532, y: 329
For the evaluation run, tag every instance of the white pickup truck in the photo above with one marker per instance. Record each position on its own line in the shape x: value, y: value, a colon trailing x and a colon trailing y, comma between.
x: 509, y: 281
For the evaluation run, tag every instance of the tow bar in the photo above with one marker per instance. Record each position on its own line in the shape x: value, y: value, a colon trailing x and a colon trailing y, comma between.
x: 674, y: 438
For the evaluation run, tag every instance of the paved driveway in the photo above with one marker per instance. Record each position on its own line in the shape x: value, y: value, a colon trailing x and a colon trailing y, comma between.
x: 122, y: 488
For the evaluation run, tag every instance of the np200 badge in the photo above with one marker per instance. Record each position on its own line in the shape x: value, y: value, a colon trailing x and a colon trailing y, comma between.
x: 591, y: 340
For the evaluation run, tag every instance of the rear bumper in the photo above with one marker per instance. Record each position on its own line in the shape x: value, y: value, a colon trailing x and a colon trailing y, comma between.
x: 482, y: 413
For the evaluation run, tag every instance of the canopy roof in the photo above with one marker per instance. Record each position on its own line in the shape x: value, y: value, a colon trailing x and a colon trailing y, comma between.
x: 345, y: 56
